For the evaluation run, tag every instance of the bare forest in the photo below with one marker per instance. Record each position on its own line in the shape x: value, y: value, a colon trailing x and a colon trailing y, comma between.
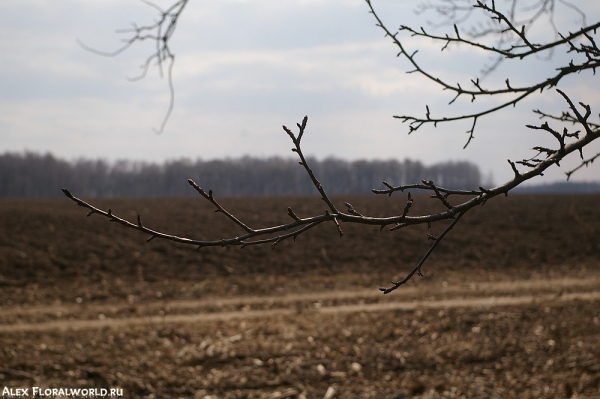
x: 34, y: 175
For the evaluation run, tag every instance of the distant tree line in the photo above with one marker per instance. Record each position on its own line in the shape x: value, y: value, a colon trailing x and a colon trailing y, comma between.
x: 567, y: 187
x: 43, y: 175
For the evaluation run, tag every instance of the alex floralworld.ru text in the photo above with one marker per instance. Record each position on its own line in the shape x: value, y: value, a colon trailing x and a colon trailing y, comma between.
x: 62, y: 392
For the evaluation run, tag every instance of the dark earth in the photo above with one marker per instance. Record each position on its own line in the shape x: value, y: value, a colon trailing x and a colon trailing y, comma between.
x: 508, y: 306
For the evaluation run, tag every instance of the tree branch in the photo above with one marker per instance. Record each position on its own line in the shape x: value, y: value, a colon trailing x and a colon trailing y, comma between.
x: 163, y: 30
x: 417, y: 268
x: 276, y: 234
x: 583, y: 163
x: 590, y: 52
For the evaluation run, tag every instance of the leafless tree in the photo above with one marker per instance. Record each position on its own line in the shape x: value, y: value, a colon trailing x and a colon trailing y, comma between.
x: 503, y: 34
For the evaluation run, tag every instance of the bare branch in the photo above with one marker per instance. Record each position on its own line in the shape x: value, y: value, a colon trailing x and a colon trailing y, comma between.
x: 513, y: 43
x: 296, y: 140
x: 417, y: 268
x: 519, y: 49
x: 276, y: 234
x: 163, y: 30
x: 565, y: 117
x: 582, y: 119
x: 507, y: 52
x: 438, y: 194
x: 210, y: 197
x: 583, y: 163
x: 390, y: 189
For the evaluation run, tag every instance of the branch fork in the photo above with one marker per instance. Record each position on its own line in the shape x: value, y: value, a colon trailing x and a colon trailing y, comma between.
x: 519, y: 48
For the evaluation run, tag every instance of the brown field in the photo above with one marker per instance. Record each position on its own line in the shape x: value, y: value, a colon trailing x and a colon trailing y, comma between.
x: 508, y: 307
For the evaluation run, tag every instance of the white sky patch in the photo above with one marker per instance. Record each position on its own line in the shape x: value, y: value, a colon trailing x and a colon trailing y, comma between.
x: 314, y: 69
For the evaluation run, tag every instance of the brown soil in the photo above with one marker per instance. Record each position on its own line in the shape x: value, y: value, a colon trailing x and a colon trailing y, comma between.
x: 508, y: 307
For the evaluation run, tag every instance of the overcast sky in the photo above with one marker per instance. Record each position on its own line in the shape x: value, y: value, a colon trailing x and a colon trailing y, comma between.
x: 243, y: 69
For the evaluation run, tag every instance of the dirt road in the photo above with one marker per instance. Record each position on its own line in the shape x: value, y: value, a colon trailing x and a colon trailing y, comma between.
x: 95, y: 316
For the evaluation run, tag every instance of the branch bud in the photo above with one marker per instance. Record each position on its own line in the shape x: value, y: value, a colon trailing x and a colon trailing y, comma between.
x: 292, y: 214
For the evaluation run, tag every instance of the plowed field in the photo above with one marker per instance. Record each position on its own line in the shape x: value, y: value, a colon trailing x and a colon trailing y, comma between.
x: 508, y: 306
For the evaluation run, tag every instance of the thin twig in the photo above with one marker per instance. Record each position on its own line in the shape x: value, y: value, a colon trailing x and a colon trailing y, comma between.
x: 417, y: 269
x: 583, y: 163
